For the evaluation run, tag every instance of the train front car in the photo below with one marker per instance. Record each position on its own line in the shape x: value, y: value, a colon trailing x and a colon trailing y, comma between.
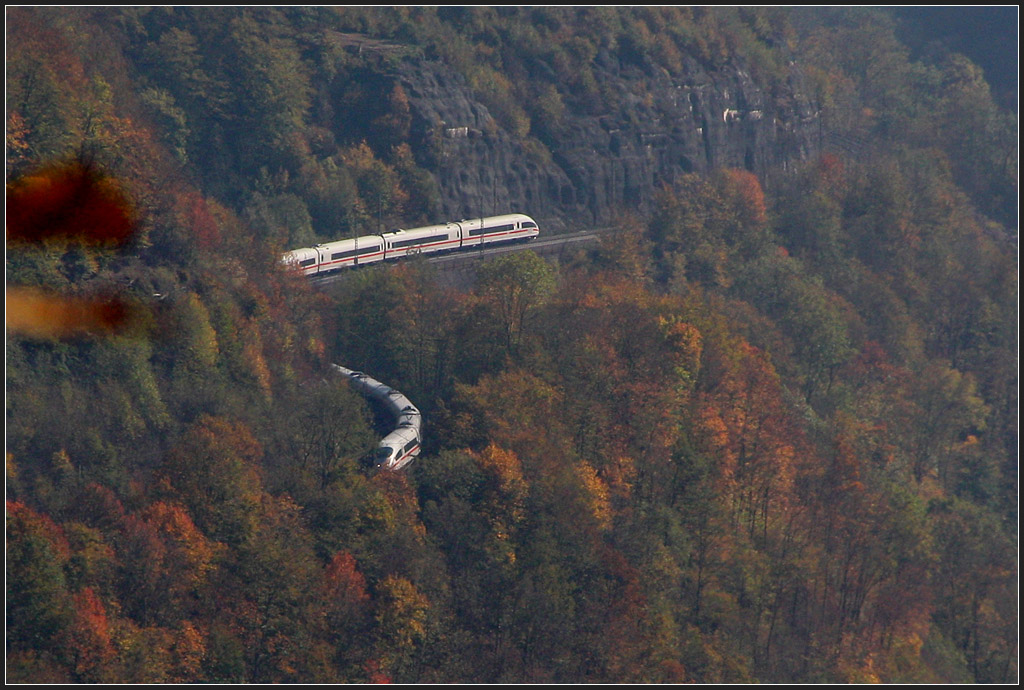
x: 526, y: 227
x: 306, y: 260
x: 402, y: 444
x: 511, y: 227
x: 397, y: 449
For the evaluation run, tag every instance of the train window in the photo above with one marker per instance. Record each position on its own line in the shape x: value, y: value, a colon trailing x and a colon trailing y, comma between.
x: 499, y: 228
x: 307, y: 262
x: 420, y: 240
x: 481, y: 231
x: 410, y: 445
x: 529, y: 225
x: 352, y: 252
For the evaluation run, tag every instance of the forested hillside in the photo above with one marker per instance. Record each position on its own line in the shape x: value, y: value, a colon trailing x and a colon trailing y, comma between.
x: 765, y: 431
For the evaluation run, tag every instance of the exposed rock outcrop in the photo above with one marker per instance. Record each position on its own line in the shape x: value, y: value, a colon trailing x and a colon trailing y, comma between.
x: 590, y: 166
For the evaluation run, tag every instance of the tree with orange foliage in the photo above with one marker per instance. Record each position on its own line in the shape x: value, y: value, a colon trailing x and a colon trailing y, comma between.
x: 348, y: 609
x: 166, y: 564
x: 213, y: 471
x: 743, y: 197
x: 272, y: 598
x: 401, y: 616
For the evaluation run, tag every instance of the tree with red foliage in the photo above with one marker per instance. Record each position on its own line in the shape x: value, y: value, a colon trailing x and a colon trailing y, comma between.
x: 89, y: 646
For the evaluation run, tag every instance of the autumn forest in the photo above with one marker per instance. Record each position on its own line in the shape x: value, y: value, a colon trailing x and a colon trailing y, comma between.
x: 763, y: 430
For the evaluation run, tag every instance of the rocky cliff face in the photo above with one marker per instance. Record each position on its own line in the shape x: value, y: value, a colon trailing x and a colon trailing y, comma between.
x: 593, y: 166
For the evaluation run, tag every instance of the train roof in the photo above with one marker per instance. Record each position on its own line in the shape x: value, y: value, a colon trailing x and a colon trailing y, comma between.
x: 425, y: 230
x: 494, y: 220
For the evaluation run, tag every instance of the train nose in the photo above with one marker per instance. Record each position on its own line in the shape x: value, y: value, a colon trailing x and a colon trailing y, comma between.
x: 383, y: 456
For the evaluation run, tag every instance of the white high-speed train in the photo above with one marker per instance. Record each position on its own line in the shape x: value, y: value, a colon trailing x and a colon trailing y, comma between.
x: 401, y: 243
x: 397, y: 449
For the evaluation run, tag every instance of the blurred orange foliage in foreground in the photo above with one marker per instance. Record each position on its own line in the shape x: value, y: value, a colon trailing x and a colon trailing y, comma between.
x: 36, y: 314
